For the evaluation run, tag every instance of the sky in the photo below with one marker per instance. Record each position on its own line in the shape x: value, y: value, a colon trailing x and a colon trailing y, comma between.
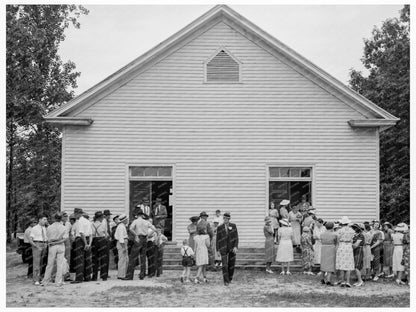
x: 330, y: 36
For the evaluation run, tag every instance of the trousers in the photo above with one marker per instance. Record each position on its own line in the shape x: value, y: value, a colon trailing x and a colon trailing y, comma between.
x: 56, y: 254
x: 123, y: 260
x: 100, y: 255
x: 159, y: 260
x: 151, y: 258
x: 40, y: 256
x: 228, y: 265
x: 138, y: 250
x: 82, y: 261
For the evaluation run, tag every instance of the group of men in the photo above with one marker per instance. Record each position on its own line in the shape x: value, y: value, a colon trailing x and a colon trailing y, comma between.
x: 76, y: 244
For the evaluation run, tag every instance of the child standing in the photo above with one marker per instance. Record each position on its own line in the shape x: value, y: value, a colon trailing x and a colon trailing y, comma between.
x: 187, y: 260
x: 160, y: 241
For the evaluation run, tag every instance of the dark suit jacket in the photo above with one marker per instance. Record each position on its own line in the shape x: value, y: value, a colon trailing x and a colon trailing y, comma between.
x: 226, y: 242
x: 162, y: 213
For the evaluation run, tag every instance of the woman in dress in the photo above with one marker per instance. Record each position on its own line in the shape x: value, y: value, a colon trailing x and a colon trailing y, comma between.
x: 202, y: 243
x: 269, y: 243
x: 406, y: 255
x: 318, y: 230
x: 274, y: 217
x: 366, y: 252
x: 307, y: 251
x: 345, y: 255
x: 192, y: 231
x: 376, y: 250
x: 285, y: 248
x: 284, y: 214
x: 295, y: 218
x: 358, y: 245
x: 388, y: 249
x: 328, y: 252
x: 398, y: 237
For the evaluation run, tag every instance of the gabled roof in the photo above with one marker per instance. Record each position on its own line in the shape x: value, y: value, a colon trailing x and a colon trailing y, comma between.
x: 370, y: 111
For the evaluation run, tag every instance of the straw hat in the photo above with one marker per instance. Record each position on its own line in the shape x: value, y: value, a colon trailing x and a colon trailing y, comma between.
x: 285, y: 202
x: 344, y: 220
x: 401, y: 227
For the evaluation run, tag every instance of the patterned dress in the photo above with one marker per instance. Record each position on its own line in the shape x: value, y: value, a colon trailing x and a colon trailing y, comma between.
x: 358, y: 250
x: 285, y: 248
x: 398, y: 252
x: 345, y: 255
x: 406, y: 254
x: 294, y: 219
x: 269, y: 243
x: 201, y: 249
x: 388, y: 248
x: 377, y: 251
x: 307, y: 251
x: 328, y: 251
x: 317, y: 232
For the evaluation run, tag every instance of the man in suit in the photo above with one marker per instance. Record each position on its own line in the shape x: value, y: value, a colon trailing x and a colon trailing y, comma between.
x: 159, y: 214
x: 227, y: 245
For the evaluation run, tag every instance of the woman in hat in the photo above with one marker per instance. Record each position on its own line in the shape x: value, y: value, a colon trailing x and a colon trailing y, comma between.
x: 295, y: 218
x: 269, y: 243
x: 398, y: 237
x: 388, y: 249
x: 358, y: 245
x: 192, y: 231
x: 345, y: 255
x: 376, y: 250
x: 307, y: 251
x: 328, y: 252
x: 318, y: 230
x: 406, y: 255
x: 285, y: 248
x: 284, y: 214
x: 274, y: 216
x: 366, y: 252
x: 202, y: 243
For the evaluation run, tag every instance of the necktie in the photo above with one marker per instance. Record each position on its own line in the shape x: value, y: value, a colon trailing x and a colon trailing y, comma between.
x: 43, y: 234
x: 108, y: 228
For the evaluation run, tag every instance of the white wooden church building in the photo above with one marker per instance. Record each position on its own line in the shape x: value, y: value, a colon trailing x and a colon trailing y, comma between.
x: 221, y: 115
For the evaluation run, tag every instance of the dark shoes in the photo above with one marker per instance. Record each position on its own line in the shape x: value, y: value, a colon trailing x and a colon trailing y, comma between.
x: 323, y: 282
x: 126, y: 279
x: 76, y: 282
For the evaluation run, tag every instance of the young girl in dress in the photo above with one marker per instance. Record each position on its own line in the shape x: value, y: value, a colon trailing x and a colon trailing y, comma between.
x: 202, y: 244
x: 187, y: 260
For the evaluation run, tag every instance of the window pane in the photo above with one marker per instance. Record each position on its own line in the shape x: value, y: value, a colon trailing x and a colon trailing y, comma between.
x: 284, y: 172
x: 150, y: 171
x: 137, y: 171
x: 306, y: 172
x: 165, y: 172
x: 274, y: 172
x: 295, y: 172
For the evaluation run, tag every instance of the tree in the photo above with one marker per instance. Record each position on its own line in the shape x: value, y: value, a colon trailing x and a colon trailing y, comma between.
x: 37, y: 81
x: 387, y: 57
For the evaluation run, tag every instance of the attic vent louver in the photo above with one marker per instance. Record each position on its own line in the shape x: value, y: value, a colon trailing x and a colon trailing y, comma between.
x: 223, y: 68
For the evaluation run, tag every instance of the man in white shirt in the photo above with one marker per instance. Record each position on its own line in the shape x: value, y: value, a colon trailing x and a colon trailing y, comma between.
x: 28, y: 248
x: 145, y: 207
x: 218, y: 217
x: 82, y: 252
x: 38, y: 239
x: 139, y: 229
x: 122, y: 246
x: 68, y: 226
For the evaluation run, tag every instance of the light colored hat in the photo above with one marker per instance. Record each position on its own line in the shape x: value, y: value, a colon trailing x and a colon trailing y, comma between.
x: 122, y: 217
x: 306, y: 229
x: 344, y: 220
x: 284, y: 222
x: 401, y: 227
x: 285, y: 202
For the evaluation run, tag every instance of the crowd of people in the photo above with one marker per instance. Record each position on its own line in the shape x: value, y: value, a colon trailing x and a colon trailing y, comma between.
x: 371, y: 250
x: 74, y: 244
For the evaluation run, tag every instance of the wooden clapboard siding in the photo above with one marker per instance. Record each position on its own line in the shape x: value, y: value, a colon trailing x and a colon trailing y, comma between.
x: 221, y: 138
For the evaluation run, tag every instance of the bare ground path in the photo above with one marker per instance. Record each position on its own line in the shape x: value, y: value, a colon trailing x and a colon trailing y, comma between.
x: 249, y: 289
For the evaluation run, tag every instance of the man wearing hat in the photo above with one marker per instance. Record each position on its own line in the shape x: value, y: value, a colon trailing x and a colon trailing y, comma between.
x: 107, y: 225
x: 121, y: 237
x: 113, y: 244
x: 159, y: 214
x: 99, y: 247
x: 82, y: 250
x: 227, y: 245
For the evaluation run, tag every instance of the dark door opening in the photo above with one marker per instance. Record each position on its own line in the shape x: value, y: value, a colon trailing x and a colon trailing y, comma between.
x: 153, y: 190
x: 292, y: 190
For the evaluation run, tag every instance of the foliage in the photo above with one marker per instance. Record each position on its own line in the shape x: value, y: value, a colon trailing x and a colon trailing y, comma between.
x: 387, y: 57
x: 37, y: 81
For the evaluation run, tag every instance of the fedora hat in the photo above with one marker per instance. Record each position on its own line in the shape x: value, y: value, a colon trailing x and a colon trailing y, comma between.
x: 122, y: 217
x: 203, y: 214
x: 401, y: 227
x: 107, y: 212
x: 227, y: 214
x: 285, y: 202
x: 284, y: 222
x: 344, y: 220
x: 78, y: 211
x: 98, y: 214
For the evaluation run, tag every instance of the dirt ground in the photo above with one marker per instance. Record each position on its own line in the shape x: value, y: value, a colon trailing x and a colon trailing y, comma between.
x: 249, y: 289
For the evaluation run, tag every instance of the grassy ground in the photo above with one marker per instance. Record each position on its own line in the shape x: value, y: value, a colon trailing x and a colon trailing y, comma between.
x: 249, y: 289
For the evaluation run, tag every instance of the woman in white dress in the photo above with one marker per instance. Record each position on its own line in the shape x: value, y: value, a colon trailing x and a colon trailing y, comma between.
x: 397, y: 237
x: 317, y: 231
x: 295, y: 218
x: 202, y: 243
x: 285, y: 248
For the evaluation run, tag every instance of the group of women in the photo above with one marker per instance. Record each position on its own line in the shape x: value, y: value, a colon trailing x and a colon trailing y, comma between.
x: 337, y: 248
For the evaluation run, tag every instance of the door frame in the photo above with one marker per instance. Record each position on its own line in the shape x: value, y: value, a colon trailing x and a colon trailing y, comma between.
x: 173, y: 178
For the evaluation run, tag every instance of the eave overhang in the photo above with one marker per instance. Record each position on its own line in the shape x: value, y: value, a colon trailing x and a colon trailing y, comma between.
x: 69, y: 121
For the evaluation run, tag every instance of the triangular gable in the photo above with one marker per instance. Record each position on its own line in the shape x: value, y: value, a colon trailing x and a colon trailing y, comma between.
x: 374, y: 115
